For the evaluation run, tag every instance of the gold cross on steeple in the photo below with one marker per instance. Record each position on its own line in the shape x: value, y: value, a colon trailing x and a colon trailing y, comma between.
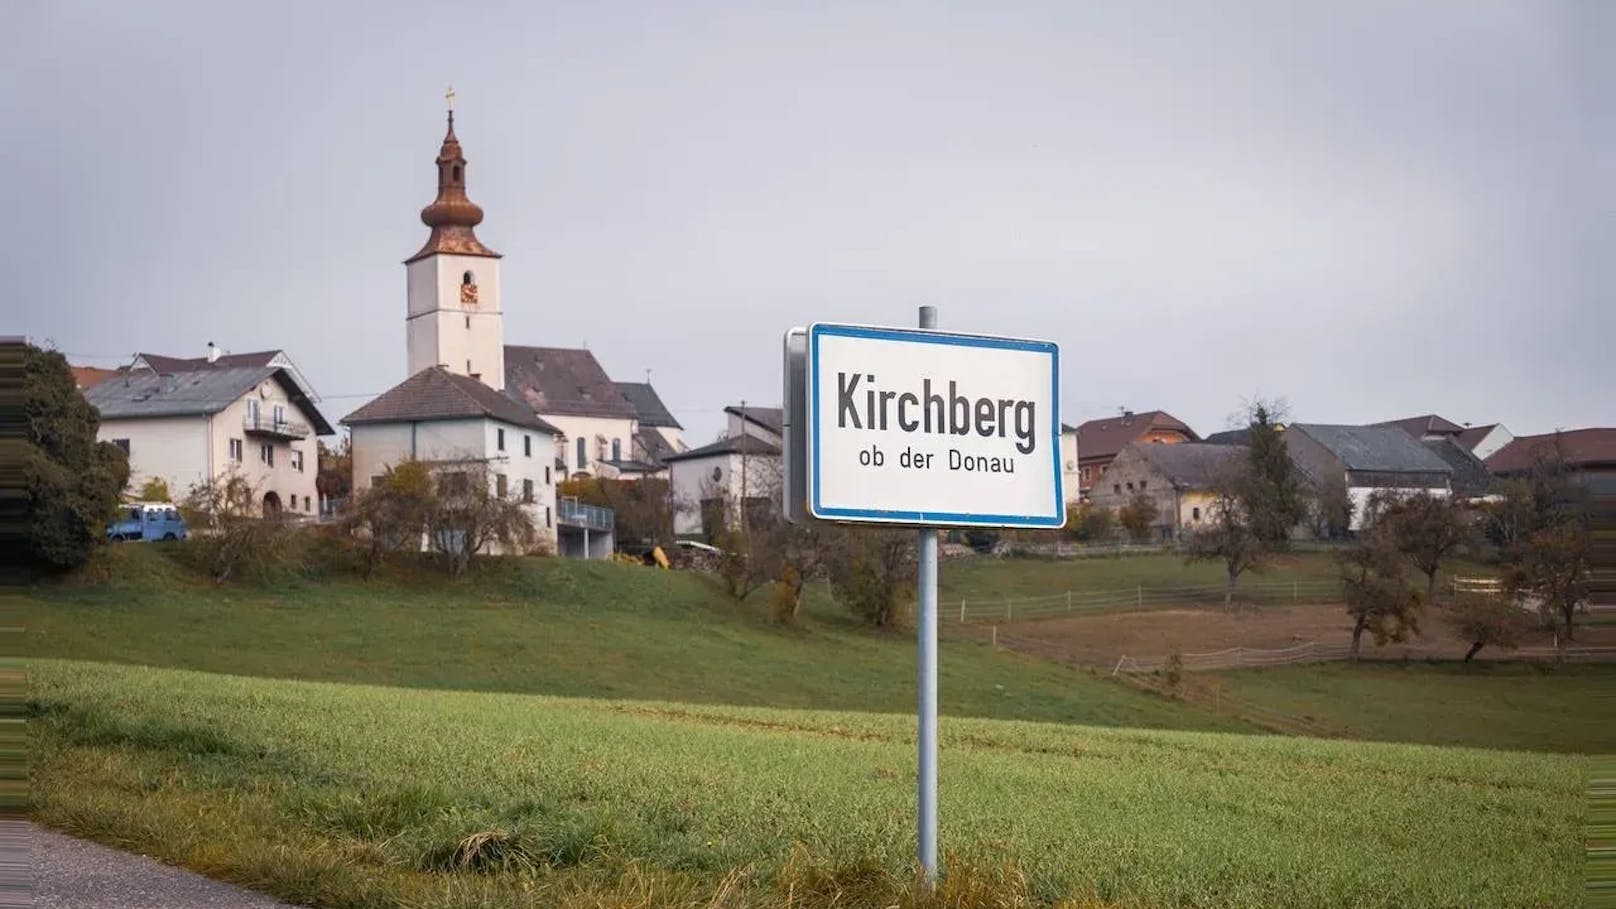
x: 448, y: 97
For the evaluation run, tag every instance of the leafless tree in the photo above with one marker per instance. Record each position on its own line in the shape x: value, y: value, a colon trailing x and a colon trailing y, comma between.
x: 470, y: 514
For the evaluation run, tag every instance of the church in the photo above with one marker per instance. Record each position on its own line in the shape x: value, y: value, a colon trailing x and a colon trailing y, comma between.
x: 533, y: 415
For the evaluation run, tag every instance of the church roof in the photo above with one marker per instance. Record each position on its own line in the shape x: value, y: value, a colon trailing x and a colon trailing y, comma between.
x: 437, y: 394
x: 649, y: 404
x: 452, y: 215
x: 564, y: 381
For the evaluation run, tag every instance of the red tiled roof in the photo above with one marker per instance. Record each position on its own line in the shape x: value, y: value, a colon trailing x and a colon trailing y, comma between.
x: 1105, y: 438
x: 1579, y: 447
x: 88, y: 376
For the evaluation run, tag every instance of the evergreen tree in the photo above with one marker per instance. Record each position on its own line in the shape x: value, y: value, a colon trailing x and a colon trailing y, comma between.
x: 71, y: 483
x: 1272, y: 498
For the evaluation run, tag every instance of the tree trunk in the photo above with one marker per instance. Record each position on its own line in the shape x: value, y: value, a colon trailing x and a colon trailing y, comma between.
x: 1430, y: 587
x: 1569, y: 613
x: 1228, y: 592
x: 1472, y: 652
x: 1357, y: 636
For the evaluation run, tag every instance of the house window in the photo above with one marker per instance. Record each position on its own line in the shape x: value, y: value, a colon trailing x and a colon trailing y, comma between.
x: 308, y: 503
x: 252, y: 411
x: 617, y: 449
x: 500, y: 484
x: 1141, y: 485
x: 547, y: 517
x: 297, y: 460
x: 235, y: 449
x: 1085, y: 474
x: 583, y: 453
x: 1195, y: 513
x: 1116, y: 489
x: 280, y: 414
x: 468, y: 367
x: 266, y: 454
x: 454, y: 483
x: 123, y: 444
x: 1130, y: 487
x: 499, y: 439
x: 547, y: 476
x: 375, y: 480
x: 294, y: 501
x: 527, y: 491
x: 527, y: 446
x: 468, y: 323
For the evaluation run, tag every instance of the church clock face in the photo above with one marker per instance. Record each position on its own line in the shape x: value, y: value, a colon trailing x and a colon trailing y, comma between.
x: 468, y: 289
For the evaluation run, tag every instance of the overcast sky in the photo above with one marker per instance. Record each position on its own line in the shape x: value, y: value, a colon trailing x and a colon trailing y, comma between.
x: 1372, y: 210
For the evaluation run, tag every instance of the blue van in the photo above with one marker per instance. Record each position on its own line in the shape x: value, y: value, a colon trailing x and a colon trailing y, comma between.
x: 147, y: 521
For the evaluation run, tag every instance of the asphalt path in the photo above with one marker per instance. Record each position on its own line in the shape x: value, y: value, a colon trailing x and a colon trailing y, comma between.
x: 68, y: 873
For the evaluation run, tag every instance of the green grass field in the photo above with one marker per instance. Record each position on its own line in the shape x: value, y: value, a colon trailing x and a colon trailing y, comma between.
x: 357, y: 796
x: 1490, y: 705
x: 587, y: 629
x: 988, y: 579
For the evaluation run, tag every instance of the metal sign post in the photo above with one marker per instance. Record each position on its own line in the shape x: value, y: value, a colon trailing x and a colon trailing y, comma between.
x: 927, y: 429
x: 926, y: 682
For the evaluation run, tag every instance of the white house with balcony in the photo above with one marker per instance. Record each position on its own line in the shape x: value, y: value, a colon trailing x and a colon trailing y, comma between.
x: 192, y: 423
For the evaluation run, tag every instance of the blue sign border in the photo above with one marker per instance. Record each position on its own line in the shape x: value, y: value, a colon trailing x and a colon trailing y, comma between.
x: 914, y: 336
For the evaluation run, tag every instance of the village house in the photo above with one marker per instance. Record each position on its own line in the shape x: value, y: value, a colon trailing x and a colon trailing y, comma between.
x: 458, y: 425
x: 1179, y: 478
x: 1480, y: 441
x: 1097, y: 442
x: 1364, y: 460
x: 1590, y: 452
x: 718, y: 486
x: 203, y: 422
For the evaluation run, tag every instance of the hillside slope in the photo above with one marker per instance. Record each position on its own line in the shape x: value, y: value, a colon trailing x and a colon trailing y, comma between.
x: 548, y: 626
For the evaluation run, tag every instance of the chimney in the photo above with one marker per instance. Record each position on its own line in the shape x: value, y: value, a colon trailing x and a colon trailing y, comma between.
x: 213, y: 352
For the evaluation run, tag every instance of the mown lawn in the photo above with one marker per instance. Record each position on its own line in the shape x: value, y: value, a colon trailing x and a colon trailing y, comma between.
x: 350, y: 796
x: 545, y: 626
x: 1491, y: 705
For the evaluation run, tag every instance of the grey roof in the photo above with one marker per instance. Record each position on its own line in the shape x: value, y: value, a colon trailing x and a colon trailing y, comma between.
x: 1425, y: 425
x: 1229, y: 437
x: 1470, y: 476
x: 741, y: 444
x: 648, y: 403
x: 770, y: 418
x: 437, y: 394
x: 1191, y: 465
x: 1379, y: 448
x: 165, y: 363
x: 563, y: 380
x: 656, y: 448
x: 147, y: 393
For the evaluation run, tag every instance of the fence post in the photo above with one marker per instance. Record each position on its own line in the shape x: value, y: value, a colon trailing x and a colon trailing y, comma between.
x: 962, y: 612
x: 995, y: 637
x: 1068, y: 602
x: 1139, y: 599
x: 1008, y: 605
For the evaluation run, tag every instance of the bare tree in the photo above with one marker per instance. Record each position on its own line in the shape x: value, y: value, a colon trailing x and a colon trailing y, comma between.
x: 1548, y: 557
x: 1379, y: 597
x: 1228, y: 537
x: 1139, y: 517
x: 471, y: 514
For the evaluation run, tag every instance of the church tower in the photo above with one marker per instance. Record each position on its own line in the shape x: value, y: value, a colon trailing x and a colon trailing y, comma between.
x: 454, y: 316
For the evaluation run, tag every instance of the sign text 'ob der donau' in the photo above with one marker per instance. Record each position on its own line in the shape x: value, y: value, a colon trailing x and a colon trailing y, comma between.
x: 924, y: 427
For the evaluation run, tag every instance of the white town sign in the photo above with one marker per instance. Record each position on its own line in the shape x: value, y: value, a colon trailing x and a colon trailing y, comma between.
x: 932, y: 428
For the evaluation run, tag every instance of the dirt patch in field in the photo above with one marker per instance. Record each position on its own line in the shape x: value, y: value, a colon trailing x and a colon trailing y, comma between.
x: 1099, y: 639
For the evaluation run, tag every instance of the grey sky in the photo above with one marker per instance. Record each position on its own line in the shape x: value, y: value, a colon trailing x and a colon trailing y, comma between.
x: 1370, y: 209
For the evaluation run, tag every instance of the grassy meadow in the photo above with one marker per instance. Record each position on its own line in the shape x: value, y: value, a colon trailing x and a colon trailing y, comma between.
x: 989, y: 579
x: 362, y: 796
x: 545, y: 626
x: 1489, y: 705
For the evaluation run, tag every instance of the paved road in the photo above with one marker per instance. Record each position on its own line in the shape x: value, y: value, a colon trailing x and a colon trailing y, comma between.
x: 68, y: 873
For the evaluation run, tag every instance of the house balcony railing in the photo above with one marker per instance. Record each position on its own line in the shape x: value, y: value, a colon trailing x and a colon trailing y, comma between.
x: 258, y: 424
x: 573, y: 513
